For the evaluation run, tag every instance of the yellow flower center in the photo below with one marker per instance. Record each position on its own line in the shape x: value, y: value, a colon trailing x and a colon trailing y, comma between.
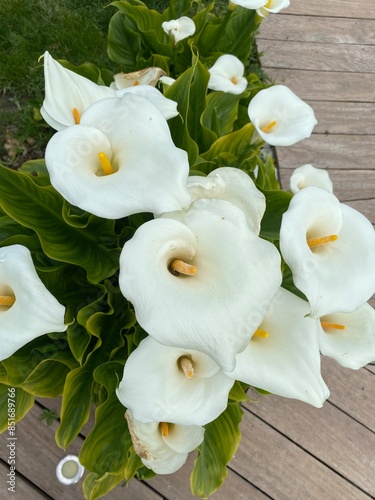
x: 7, y: 300
x: 269, y: 127
x: 186, y: 365
x: 180, y: 267
x: 164, y: 429
x: 261, y: 334
x: 76, y: 116
x: 321, y: 240
x: 105, y: 164
x: 268, y: 4
x: 326, y: 325
x: 234, y: 80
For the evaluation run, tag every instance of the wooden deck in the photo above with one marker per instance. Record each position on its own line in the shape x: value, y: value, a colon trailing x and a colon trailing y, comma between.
x: 325, y: 52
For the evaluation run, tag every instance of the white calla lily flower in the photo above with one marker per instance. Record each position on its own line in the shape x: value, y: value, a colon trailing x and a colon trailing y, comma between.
x: 263, y: 7
x: 171, y: 384
x: 103, y: 167
x: 163, y: 447
x: 226, y: 75
x: 202, y: 282
x: 330, y: 249
x: 180, y: 28
x: 27, y: 309
x: 146, y: 76
x: 349, y: 338
x: 283, y: 355
x: 307, y: 175
x: 68, y: 95
x: 233, y: 185
x: 280, y: 117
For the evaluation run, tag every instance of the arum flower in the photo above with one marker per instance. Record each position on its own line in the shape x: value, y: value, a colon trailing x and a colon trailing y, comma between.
x: 280, y: 117
x: 171, y: 384
x: 103, y: 167
x: 146, y: 76
x: 283, y: 356
x: 349, y: 338
x: 226, y: 75
x: 27, y: 309
x: 163, y: 447
x: 263, y: 7
x: 233, y: 185
x: 179, y: 28
x: 330, y: 249
x: 307, y: 175
x: 202, y: 282
x: 68, y: 95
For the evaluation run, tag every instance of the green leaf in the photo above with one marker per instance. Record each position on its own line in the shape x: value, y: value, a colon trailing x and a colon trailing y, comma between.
x: 34, y: 167
x: 89, y: 71
x: 95, y: 486
x: 177, y: 8
x: 221, y: 440
x: 221, y: 112
x: 47, y: 380
x: 40, y: 208
x: 123, y: 44
x: 277, y: 202
x: 238, y: 392
x: 13, y: 398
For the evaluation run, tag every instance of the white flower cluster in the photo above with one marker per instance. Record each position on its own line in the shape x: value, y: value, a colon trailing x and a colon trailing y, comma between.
x: 204, y: 285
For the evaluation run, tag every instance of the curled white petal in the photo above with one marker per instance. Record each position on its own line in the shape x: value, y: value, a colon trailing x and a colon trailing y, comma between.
x: 307, y: 175
x: 35, y: 310
x: 165, y: 105
x: 167, y: 80
x: 216, y: 310
x: 180, y: 28
x: 353, y: 346
x: 250, y: 4
x: 226, y: 75
x: 66, y: 90
x: 280, y: 117
x: 151, y: 179
x: 155, y: 388
x: 287, y: 362
x: 233, y: 185
x: 272, y: 6
x: 163, y: 454
x: 338, y: 276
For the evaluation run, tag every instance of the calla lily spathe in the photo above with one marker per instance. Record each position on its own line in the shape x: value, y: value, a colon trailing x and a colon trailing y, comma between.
x: 330, y: 249
x: 180, y: 28
x: 307, y: 175
x: 349, y: 338
x: 27, y: 309
x: 228, y: 277
x: 171, y: 384
x: 163, y: 447
x: 68, y: 95
x: 280, y: 117
x: 233, y: 185
x: 263, y: 7
x: 286, y: 359
x: 146, y: 76
x: 129, y: 178
x: 226, y: 75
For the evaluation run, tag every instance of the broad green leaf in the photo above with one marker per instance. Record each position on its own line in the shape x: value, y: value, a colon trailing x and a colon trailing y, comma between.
x: 47, y: 380
x: 221, y: 440
x: 35, y: 167
x: 40, y: 208
x: 221, y: 112
x: 106, y: 447
x: 90, y: 71
x: 266, y: 179
x: 238, y: 392
x: 177, y: 8
x: 277, y: 202
x: 18, y: 400
x: 123, y: 43
x: 95, y: 486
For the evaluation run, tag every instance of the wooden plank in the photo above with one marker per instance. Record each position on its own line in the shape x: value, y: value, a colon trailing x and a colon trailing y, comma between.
x: 328, y: 434
x: 317, y: 56
x: 326, y: 85
x: 358, y: 9
x: 177, y: 486
x: 347, y: 152
x: 38, y: 455
x: 23, y: 490
x: 347, y: 184
x: 317, y: 29
x: 337, y: 117
x: 353, y: 391
x: 280, y: 467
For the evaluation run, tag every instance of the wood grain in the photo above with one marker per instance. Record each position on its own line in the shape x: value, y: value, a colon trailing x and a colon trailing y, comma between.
x: 357, y: 9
